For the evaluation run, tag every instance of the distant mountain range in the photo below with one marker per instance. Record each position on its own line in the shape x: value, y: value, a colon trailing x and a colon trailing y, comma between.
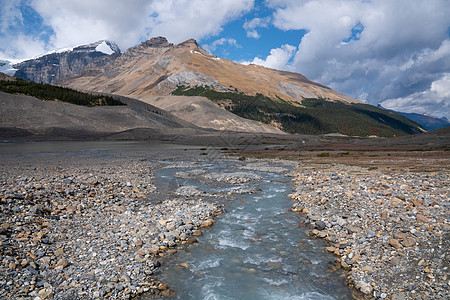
x: 428, y: 122
x: 158, y: 72
x: 425, y: 120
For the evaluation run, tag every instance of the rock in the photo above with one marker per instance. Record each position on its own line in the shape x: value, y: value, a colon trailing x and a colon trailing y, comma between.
x: 45, y: 294
x: 207, y: 223
x: 344, y: 265
x: 154, y: 250
x: 138, y: 243
x: 197, y: 233
x: 364, y: 287
x: 421, y: 218
x: 341, y: 222
x: 395, y: 243
x: 191, y: 240
x: 367, y: 269
x: 409, y: 242
x: 59, y: 251
x: 320, y: 225
x: 354, y: 229
x: 331, y: 249
x: 398, y: 296
x: 62, y: 263
x: 395, y: 260
x: 71, y: 209
x: 185, y: 265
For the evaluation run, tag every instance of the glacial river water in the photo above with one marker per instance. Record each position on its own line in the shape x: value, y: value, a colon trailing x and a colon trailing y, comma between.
x: 256, y: 250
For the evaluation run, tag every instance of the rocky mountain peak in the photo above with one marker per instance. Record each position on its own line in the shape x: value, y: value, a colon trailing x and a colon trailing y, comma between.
x: 191, y: 44
x: 158, y: 41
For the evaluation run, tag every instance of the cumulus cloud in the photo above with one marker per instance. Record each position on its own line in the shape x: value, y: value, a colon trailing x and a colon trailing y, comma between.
x: 278, y: 58
x: 220, y: 42
x: 251, y: 26
x: 435, y: 100
x: 371, y: 50
x: 182, y: 19
x: 125, y: 22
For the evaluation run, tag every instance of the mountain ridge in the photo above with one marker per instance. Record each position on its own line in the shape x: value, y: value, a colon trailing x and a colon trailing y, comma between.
x: 153, y: 73
x: 427, y: 121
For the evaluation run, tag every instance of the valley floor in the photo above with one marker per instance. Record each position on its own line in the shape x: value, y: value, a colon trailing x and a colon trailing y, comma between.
x: 93, y: 223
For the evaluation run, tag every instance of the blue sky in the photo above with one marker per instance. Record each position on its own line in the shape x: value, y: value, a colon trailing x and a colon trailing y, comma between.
x: 396, y: 53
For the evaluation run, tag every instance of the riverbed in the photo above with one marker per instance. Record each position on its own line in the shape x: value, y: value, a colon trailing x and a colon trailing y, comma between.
x: 258, y: 248
x: 117, y: 220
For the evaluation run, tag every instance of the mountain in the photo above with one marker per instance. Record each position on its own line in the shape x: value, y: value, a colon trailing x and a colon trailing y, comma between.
x: 58, y: 64
x: 157, y: 67
x: 284, y: 100
x: 427, y: 121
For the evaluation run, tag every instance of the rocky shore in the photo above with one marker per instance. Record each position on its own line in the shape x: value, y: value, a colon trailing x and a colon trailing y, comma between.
x: 390, y: 231
x: 89, y: 227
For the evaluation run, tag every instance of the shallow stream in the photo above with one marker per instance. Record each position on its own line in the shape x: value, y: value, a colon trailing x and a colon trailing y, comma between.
x: 256, y: 249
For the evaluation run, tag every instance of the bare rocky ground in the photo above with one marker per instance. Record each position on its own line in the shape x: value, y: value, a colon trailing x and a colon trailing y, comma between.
x: 390, y: 231
x: 89, y: 226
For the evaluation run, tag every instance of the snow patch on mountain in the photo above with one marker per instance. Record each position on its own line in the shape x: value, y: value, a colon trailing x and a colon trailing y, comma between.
x: 105, y: 48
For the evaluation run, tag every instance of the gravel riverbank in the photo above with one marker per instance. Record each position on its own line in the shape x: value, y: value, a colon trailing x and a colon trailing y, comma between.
x: 95, y: 224
x: 89, y: 227
x: 390, y: 232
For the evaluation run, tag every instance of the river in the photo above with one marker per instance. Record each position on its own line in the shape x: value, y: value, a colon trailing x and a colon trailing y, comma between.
x: 257, y: 249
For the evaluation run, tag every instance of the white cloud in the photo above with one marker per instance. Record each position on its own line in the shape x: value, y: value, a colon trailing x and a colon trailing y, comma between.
x: 82, y: 21
x: 222, y: 41
x: 125, y: 22
x: 400, y: 49
x: 435, y: 100
x: 250, y: 26
x: 22, y: 46
x: 182, y: 19
x: 10, y: 15
x: 278, y: 58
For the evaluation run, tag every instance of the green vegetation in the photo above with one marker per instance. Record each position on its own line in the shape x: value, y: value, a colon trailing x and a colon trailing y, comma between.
x: 324, y: 154
x: 315, y: 116
x: 52, y: 93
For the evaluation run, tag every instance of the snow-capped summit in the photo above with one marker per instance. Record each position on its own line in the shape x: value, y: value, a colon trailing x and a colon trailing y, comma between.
x: 57, y: 64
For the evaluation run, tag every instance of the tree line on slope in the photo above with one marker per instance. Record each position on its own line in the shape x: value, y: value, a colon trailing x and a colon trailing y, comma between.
x: 56, y: 93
